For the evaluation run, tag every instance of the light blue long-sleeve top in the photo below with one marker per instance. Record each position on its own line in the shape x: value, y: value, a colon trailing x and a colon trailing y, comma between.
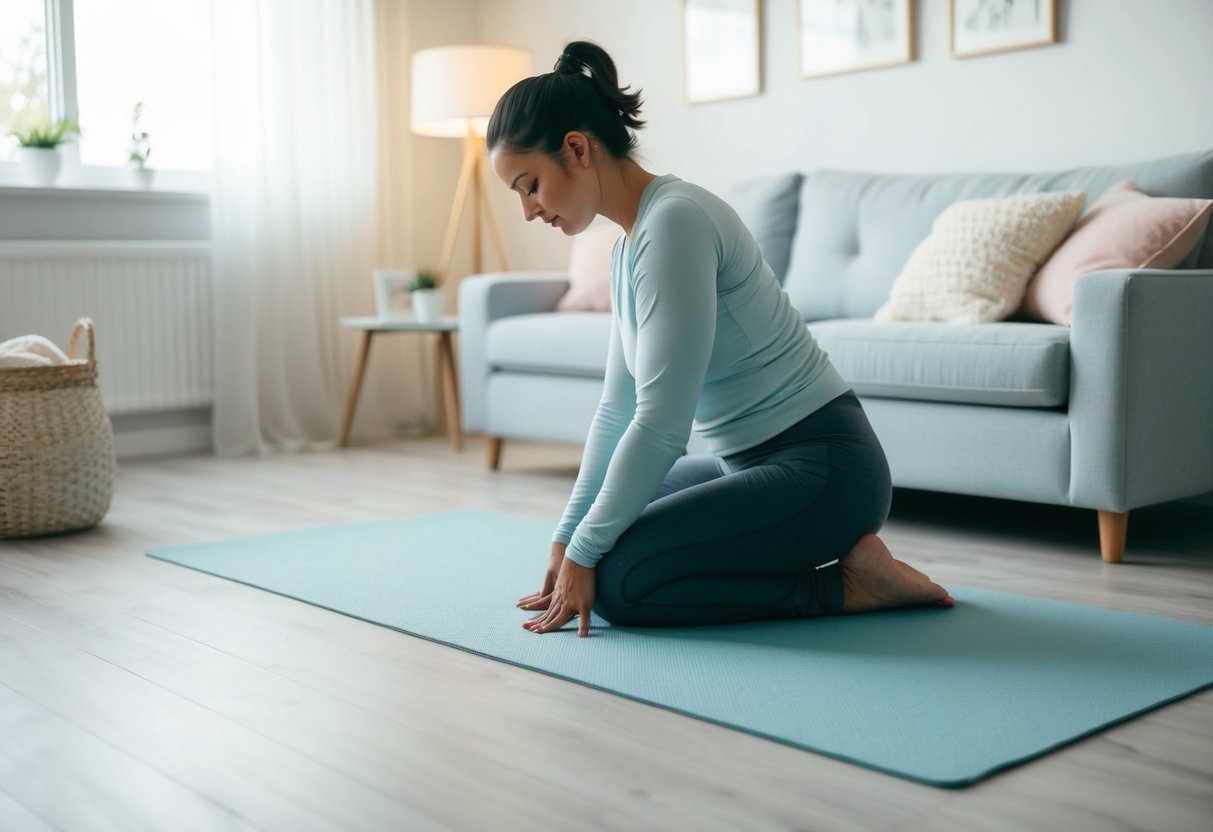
x: 702, y: 336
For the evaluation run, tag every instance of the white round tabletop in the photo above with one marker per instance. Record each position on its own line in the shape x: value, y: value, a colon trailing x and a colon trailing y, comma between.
x: 403, y: 323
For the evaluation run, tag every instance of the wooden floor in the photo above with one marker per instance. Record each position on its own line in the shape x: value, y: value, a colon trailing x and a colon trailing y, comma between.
x: 135, y: 694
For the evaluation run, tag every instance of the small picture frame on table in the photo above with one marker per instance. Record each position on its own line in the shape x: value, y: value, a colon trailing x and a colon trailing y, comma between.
x: 721, y: 49
x: 392, y: 292
x: 835, y: 36
x: 979, y: 27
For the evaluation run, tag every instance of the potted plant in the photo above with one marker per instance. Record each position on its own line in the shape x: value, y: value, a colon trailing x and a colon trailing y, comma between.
x: 39, y: 151
x: 141, y: 151
x: 427, y: 297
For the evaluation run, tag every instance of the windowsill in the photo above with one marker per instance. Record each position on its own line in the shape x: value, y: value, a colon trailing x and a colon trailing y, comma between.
x: 96, y: 204
x: 88, y: 191
x: 76, y: 181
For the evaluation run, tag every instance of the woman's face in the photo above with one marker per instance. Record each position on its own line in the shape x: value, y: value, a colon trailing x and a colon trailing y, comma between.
x: 565, y: 197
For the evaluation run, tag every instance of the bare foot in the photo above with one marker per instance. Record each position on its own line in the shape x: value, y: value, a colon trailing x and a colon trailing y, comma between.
x: 874, y: 580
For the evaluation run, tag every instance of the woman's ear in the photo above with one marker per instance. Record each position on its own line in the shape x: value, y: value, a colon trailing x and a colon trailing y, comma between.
x: 578, y: 144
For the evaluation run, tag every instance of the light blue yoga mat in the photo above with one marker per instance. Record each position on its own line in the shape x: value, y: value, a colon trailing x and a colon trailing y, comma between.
x: 944, y: 697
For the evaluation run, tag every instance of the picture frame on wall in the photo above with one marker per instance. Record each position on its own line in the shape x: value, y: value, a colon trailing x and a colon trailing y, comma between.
x: 721, y: 49
x: 835, y: 36
x: 984, y: 27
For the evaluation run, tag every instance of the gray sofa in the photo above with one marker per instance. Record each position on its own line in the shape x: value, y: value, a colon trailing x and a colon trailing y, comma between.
x: 1112, y: 414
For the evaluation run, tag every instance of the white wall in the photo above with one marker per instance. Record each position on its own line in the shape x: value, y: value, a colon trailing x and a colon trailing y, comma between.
x: 1128, y: 81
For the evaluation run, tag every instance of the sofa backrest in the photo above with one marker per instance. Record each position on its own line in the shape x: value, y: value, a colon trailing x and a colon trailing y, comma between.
x: 856, y: 230
x: 768, y: 208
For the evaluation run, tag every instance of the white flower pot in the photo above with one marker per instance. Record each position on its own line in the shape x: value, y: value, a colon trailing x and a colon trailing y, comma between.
x: 427, y: 304
x: 41, y: 165
x: 142, y: 177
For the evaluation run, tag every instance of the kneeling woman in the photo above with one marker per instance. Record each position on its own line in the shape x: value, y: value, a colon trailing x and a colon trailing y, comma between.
x: 780, y: 520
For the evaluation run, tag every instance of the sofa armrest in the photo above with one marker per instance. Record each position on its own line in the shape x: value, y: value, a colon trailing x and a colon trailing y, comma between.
x: 1141, y: 388
x: 483, y: 298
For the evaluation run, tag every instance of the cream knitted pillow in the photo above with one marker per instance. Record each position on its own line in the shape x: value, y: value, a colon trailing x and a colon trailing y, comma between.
x: 977, y: 261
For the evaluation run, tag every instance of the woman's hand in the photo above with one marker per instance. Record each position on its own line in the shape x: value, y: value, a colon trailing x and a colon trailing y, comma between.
x: 571, y: 595
x: 540, y: 600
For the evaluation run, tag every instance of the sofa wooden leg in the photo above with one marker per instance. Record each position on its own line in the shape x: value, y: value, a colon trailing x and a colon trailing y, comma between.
x: 1113, y: 528
x: 493, y: 452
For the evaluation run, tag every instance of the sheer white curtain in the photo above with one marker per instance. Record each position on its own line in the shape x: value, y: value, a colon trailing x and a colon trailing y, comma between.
x: 296, y: 215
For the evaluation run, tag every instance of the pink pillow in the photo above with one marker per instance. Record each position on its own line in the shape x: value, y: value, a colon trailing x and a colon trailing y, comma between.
x: 590, y: 270
x: 1124, y: 229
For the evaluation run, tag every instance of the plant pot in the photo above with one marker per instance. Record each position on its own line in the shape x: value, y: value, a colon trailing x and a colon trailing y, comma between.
x: 42, y: 165
x: 427, y: 304
x: 142, y: 177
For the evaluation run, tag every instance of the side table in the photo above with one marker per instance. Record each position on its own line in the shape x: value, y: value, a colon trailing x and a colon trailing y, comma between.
x: 443, y: 327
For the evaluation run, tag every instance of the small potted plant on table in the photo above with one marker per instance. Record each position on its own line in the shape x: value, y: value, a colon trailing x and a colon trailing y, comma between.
x: 427, y: 297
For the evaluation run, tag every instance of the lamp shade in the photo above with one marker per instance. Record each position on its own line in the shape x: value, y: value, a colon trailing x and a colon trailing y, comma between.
x: 456, y: 87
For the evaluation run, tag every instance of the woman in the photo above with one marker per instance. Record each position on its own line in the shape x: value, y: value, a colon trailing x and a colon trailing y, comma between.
x: 780, y: 520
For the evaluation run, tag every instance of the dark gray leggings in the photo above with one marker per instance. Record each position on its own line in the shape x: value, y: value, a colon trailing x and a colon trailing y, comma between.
x: 741, y: 538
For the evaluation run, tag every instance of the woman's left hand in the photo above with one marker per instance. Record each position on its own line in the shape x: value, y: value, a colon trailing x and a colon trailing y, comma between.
x: 573, y: 595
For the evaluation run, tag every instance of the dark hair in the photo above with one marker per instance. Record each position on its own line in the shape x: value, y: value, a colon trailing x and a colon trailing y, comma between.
x: 581, y: 93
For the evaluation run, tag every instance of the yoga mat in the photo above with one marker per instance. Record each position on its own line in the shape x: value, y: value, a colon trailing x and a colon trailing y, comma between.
x: 940, y: 696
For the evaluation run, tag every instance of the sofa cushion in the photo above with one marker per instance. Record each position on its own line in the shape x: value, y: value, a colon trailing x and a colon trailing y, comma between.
x: 857, y: 230
x: 572, y: 343
x: 981, y: 253
x: 1124, y: 229
x: 590, y: 269
x: 768, y: 208
x: 1009, y: 364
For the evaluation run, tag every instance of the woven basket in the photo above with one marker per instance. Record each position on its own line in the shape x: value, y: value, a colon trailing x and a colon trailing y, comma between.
x: 56, y: 446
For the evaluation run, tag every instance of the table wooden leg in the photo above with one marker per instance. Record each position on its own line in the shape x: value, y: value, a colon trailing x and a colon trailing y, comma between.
x: 351, y: 399
x: 454, y: 423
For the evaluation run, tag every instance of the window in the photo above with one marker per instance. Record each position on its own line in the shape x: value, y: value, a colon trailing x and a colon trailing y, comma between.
x: 24, y: 92
x: 95, y: 60
x: 149, y: 51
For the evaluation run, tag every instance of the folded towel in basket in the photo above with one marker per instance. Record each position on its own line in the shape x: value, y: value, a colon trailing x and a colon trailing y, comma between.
x: 30, y: 351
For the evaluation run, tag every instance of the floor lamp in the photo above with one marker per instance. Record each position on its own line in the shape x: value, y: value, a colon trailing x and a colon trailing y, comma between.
x: 454, y: 91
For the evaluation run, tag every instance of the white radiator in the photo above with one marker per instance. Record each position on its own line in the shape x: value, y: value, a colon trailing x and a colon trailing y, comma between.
x: 151, y: 303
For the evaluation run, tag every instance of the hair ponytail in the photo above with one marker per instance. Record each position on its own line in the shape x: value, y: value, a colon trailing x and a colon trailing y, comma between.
x: 581, y: 93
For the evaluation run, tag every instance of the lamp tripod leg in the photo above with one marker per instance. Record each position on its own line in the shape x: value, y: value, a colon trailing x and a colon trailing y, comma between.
x: 489, y: 217
x: 452, y: 227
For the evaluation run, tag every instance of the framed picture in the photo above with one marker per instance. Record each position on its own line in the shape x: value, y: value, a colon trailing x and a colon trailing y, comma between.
x: 981, y: 27
x: 847, y: 35
x: 722, y: 55
x: 392, y: 292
